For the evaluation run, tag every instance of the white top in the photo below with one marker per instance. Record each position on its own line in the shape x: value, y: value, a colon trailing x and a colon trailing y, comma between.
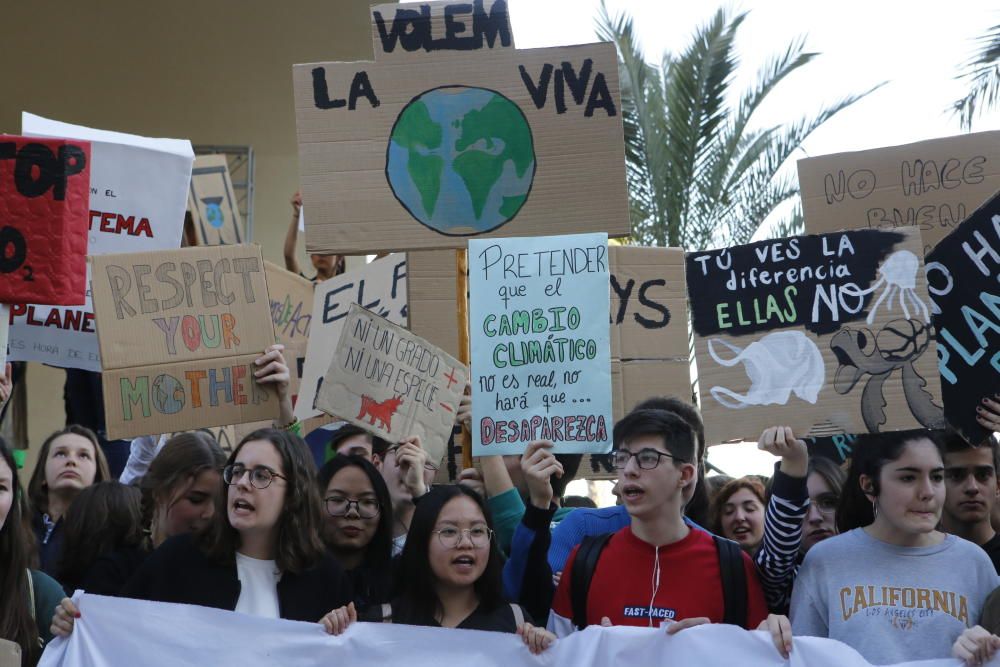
x: 398, y: 543
x: 141, y: 454
x: 258, y: 586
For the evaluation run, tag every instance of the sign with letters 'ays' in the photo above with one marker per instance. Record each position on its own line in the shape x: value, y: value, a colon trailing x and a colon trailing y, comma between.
x: 932, y: 185
x: 828, y: 333
x: 180, y: 331
x: 392, y: 383
x: 962, y: 276
x: 213, y: 204
x: 44, y: 211
x: 539, y: 338
x: 452, y: 132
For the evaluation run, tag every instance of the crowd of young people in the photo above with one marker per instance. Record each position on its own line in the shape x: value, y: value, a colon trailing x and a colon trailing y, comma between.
x: 896, y: 556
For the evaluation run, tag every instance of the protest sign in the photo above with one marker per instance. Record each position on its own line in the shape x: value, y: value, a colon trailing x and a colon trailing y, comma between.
x: 452, y: 132
x: 379, y: 286
x: 45, y: 197
x: 540, y: 341
x: 224, y: 435
x: 182, y: 331
x: 932, y: 185
x: 290, y: 297
x: 392, y: 383
x: 138, y: 194
x: 826, y: 333
x: 213, y: 203
x: 165, y: 635
x: 648, y: 321
x: 962, y: 274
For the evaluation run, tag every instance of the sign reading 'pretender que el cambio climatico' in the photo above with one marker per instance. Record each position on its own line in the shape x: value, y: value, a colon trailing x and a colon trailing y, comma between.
x: 538, y: 325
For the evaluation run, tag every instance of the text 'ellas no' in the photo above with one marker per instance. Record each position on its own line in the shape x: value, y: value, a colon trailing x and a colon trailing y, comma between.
x: 468, y: 27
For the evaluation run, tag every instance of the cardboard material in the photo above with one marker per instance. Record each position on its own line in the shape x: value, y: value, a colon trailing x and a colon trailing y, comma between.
x: 45, y: 199
x: 291, y: 298
x: 932, y: 185
x: 392, y: 383
x: 224, y: 435
x: 540, y: 344
x: 138, y: 195
x: 825, y: 334
x: 962, y: 275
x: 213, y: 203
x: 182, y: 330
x: 436, y: 141
x: 379, y: 286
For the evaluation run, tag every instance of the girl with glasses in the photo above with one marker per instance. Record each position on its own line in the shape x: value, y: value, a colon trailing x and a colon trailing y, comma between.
x: 262, y: 554
x: 450, y: 573
x: 801, y: 512
x: 357, y: 525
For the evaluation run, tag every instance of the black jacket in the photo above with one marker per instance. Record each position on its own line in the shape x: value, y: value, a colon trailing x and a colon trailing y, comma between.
x: 179, y: 571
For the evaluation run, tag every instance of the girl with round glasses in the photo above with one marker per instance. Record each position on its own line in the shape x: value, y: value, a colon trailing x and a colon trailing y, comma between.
x: 450, y: 573
x: 261, y: 556
x: 357, y: 525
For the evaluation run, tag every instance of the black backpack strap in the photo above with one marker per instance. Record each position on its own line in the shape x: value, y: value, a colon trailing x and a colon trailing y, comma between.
x: 734, y: 581
x: 584, y: 566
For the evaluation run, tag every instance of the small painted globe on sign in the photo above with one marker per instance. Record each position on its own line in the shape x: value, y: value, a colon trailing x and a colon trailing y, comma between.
x: 167, y: 394
x: 903, y: 340
x: 461, y: 160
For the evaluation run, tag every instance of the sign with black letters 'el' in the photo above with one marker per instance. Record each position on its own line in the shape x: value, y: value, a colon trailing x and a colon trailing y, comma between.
x: 452, y: 133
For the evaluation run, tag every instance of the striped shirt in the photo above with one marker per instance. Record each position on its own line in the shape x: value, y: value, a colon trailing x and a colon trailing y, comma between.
x: 778, y: 557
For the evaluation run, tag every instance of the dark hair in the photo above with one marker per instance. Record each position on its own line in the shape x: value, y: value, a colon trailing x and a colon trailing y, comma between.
x: 870, y: 454
x: 682, y: 409
x: 378, y: 553
x: 955, y: 444
x: 38, y: 488
x: 182, y: 458
x: 347, y: 431
x: 677, y: 434
x: 832, y: 474
x: 105, y: 517
x: 16, y: 617
x: 299, y: 547
x: 732, y: 487
x: 570, y: 464
x: 579, y: 501
x: 415, y: 581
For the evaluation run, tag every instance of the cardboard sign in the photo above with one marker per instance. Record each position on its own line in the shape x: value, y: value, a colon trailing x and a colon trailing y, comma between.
x: 138, y: 194
x: 379, y: 286
x: 392, y: 383
x: 45, y: 199
x: 830, y: 331
x: 962, y: 275
x: 213, y: 203
x: 182, y: 329
x: 932, y: 185
x: 540, y: 344
x: 224, y: 435
x: 290, y: 296
x: 452, y: 133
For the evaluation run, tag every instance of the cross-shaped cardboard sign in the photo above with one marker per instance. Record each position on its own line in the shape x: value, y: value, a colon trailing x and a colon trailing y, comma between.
x: 452, y: 133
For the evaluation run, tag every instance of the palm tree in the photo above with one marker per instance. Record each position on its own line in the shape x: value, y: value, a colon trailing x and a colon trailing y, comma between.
x: 700, y: 173
x: 983, y: 73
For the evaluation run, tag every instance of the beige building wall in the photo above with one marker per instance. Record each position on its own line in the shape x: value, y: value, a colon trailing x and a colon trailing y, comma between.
x: 214, y: 72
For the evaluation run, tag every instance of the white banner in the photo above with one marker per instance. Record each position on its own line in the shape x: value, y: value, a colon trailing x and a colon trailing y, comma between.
x: 379, y: 286
x: 138, y: 196
x: 118, y: 631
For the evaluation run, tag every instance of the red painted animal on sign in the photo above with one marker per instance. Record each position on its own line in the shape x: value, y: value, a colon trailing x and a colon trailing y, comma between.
x: 382, y: 412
